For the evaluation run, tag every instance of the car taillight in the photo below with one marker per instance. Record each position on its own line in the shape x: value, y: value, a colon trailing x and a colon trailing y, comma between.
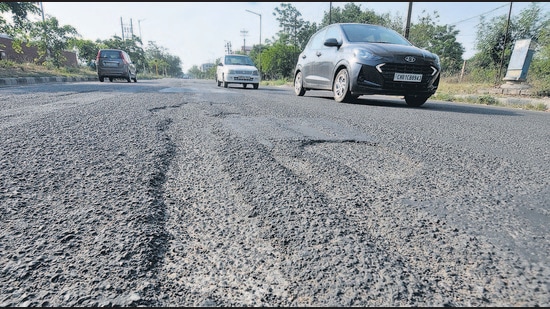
x: 123, y: 59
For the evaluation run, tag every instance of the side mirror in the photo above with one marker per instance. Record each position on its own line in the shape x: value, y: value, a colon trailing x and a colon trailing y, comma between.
x: 332, y: 42
x: 220, y: 64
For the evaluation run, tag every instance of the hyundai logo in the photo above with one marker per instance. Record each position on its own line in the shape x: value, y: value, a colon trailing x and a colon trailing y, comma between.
x: 410, y: 59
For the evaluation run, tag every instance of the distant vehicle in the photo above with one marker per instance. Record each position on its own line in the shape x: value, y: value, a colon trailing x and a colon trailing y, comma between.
x: 353, y: 59
x: 115, y: 64
x: 237, y: 69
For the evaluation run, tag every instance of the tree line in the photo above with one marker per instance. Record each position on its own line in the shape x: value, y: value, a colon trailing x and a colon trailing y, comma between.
x: 277, y: 56
x: 51, y: 39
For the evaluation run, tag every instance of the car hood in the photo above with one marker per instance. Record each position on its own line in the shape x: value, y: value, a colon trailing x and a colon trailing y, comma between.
x: 396, y: 51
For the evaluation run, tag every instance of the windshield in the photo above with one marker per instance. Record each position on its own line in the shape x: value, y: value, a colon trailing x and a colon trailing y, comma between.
x: 372, y: 34
x: 238, y: 60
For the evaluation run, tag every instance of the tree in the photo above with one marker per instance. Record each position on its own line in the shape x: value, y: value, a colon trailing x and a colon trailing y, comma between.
x: 290, y: 22
x: 51, y: 40
x: 87, y: 49
x: 438, y: 39
x: 161, y: 61
x: 19, y: 15
x: 352, y: 13
x: 491, y: 35
x: 279, y: 61
x: 132, y: 46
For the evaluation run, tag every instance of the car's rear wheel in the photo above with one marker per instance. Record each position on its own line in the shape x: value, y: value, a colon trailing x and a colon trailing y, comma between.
x: 111, y: 79
x: 340, y: 88
x: 135, y: 79
x: 299, y: 85
x: 128, y: 79
x: 416, y: 100
x: 256, y: 85
x: 101, y: 79
x: 244, y: 85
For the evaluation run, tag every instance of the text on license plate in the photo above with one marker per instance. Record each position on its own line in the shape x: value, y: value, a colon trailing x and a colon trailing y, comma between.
x: 110, y: 64
x: 404, y: 77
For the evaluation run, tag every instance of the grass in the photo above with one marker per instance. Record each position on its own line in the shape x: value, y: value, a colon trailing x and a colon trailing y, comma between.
x: 449, y: 90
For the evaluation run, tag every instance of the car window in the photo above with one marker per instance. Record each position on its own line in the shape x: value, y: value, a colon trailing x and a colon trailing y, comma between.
x: 372, y: 34
x: 238, y: 60
x: 333, y: 32
x: 318, y: 39
x: 110, y: 54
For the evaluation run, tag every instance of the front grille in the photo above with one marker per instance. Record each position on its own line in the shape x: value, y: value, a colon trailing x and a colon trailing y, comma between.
x: 243, y: 78
x: 243, y: 72
x: 390, y: 68
x: 371, y: 77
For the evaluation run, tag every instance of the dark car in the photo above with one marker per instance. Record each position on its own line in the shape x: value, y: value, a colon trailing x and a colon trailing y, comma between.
x: 115, y: 63
x: 353, y: 59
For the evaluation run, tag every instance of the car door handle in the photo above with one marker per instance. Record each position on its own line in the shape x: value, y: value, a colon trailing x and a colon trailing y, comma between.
x: 318, y: 54
x: 303, y: 56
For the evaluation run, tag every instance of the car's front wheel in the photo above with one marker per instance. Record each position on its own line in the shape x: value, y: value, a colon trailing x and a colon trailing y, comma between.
x: 218, y: 81
x: 225, y: 84
x: 416, y: 100
x: 340, y: 88
x: 256, y: 85
x: 299, y: 85
x: 101, y: 79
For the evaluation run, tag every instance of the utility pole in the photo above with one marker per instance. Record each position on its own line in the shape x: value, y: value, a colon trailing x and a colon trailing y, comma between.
x: 122, y: 27
x: 244, y: 33
x: 408, y: 26
x: 504, y: 47
x: 330, y: 13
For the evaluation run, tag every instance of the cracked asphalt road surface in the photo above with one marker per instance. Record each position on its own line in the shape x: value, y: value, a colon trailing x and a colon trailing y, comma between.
x: 181, y: 193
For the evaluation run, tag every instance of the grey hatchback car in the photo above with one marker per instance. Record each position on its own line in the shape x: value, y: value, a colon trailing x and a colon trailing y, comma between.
x: 353, y: 59
x: 115, y: 64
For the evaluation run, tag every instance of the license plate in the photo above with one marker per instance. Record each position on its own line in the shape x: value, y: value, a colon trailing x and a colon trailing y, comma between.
x: 111, y: 64
x: 404, y: 77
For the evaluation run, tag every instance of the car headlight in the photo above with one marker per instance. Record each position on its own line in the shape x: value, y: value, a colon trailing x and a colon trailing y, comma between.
x: 232, y: 72
x: 255, y: 73
x: 365, y: 55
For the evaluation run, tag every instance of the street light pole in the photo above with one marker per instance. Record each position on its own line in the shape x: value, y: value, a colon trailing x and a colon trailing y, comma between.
x: 260, y: 56
x: 141, y: 39
x: 139, y: 26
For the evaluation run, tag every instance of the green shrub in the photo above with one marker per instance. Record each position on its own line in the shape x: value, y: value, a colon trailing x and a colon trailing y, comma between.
x: 487, y: 100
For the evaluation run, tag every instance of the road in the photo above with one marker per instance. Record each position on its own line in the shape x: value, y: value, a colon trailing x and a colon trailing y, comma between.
x: 180, y: 193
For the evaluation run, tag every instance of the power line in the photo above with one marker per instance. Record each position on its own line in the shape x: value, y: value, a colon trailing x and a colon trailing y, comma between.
x: 491, y: 11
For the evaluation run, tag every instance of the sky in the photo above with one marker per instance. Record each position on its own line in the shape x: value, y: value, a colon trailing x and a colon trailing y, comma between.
x: 197, y: 32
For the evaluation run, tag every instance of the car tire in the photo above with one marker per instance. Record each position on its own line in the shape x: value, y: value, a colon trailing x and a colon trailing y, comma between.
x: 256, y: 85
x: 135, y: 79
x: 299, y: 85
x: 101, y: 79
x: 340, y: 87
x: 416, y: 100
x: 111, y: 79
x: 225, y: 84
x: 128, y: 79
x: 244, y: 85
x: 218, y: 81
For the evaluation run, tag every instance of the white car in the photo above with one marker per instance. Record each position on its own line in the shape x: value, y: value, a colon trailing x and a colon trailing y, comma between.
x: 237, y: 69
